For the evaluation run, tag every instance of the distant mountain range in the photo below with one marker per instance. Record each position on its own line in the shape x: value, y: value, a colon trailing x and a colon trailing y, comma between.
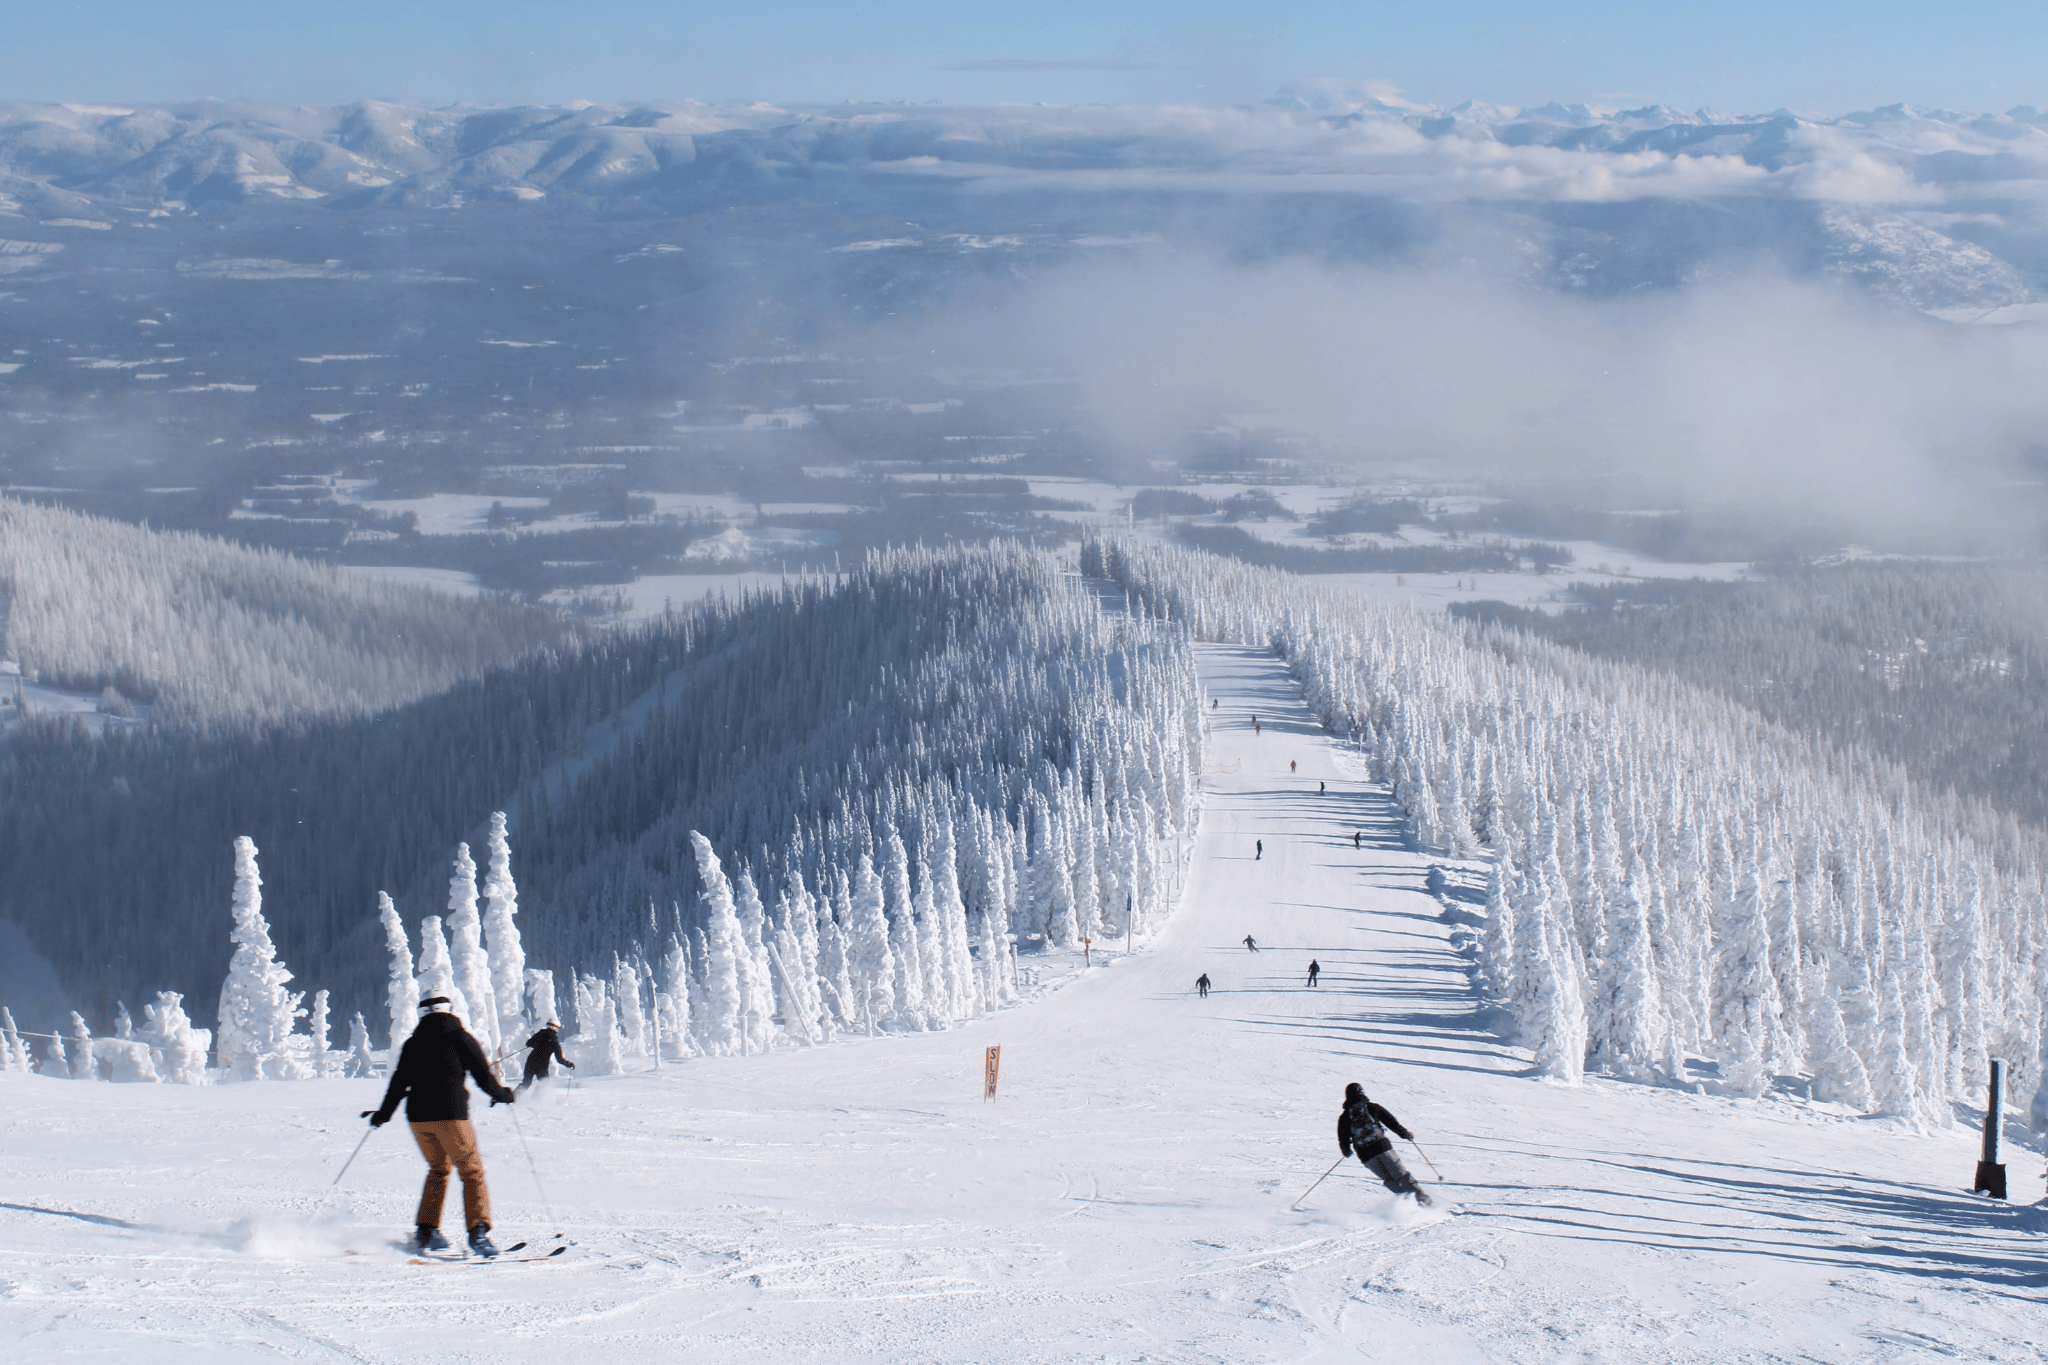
x: 1932, y: 208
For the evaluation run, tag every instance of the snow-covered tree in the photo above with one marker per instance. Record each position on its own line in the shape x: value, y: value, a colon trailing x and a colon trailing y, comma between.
x: 870, y: 959
x: 508, y: 953
x: 599, y: 1049
x: 322, y: 1053
x: 180, y: 1049
x: 84, y: 1066
x: 719, y: 1029
x: 361, y: 1063
x: 467, y: 962
x: 256, y: 1011
x: 437, y: 971
x: 402, y: 993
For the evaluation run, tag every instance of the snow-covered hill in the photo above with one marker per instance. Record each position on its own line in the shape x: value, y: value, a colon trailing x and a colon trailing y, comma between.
x: 1127, y: 1198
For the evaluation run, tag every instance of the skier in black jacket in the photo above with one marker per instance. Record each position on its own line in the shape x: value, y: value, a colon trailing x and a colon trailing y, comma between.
x: 544, y: 1046
x: 1362, y: 1126
x: 429, y: 1078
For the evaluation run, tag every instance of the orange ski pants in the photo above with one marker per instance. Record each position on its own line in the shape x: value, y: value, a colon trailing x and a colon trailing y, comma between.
x: 451, y: 1142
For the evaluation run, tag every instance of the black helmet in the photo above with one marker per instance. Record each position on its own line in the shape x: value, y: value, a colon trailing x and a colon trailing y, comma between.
x: 1354, y: 1091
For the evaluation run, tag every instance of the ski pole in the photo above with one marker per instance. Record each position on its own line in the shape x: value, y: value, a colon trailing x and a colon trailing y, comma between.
x: 1319, y: 1180
x: 527, y: 1147
x: 1425, y: 1156
x: 352, y: 1156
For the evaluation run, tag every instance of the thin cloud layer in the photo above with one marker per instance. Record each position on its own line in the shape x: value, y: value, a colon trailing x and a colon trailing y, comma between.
x: 1759, y: 391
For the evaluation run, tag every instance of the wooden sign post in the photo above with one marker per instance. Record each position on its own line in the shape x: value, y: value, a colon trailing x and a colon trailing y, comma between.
x: 989, y: 1067
x: 1990, y: 1170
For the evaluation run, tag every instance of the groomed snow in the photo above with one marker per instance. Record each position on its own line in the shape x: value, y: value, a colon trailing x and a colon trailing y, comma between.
x: 1126, y: 1199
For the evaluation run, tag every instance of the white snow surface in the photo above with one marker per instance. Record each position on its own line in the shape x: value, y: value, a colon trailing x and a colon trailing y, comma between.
x: 1127, y: 1198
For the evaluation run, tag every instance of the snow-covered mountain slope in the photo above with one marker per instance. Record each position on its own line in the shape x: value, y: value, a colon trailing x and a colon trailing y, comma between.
x: 1126, y: 1198
x: 1944, y: 213
x: 211, y: 632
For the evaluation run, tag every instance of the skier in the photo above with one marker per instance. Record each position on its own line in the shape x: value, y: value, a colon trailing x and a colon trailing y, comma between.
x: 544, y: 1046
x: 1258, y: 849
x: 1251, y: 943
x: 1290, y: 765
x: 1356, y: 835
x: 428, y: 1077
x: 1315, y: 969
x: 1322, y: 789
x: 1362, y: 1125
x: 1202, y: 985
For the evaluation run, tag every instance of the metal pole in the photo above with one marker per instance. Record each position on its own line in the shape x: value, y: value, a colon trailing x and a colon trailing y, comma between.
x: 1319, y: 1180
x: 1425, y: 1156
x: 351, y: 1160
x: 527, y: 1147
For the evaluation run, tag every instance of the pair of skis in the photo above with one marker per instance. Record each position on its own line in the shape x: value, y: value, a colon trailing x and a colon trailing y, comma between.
x: 505, y: 1255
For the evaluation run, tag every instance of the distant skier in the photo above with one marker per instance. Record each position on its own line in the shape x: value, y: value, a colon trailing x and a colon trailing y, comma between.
x: 428, y: 1077
x: 1202, y: 985
x: 1258, y: 849
x: 544, y: 1047
x: 1322, y: 789
x: 1315, y: 969
x: 1212, y: 703
x: 1362, y: 1126
x: 1356, y: 836
x: 1290, y: 765
x: 1251, y: 943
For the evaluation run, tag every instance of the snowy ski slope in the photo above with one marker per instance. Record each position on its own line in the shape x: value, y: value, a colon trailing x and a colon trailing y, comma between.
x: 1126, y: 1199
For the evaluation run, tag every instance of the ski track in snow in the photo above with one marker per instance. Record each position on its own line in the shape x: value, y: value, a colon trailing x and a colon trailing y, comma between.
x: 1126, y: 1199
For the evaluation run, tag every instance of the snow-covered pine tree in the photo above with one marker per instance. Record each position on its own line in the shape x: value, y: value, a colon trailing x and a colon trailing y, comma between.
x: 1838, y: 1073
x: 1554, y: 1025
x: 84, y: 1066
x: 1633, y: 1029
x: 501, y: 930
x: 256, y: 1011
x: 672, y: 1001
x: 719, y: 1032
x: 955, y: 954
x: 599, y: 1049
x: 467, y: 962
x: 870, y: 961
x: 13, y: 1056
x: 632, y: 1016
x: 402, y: 992
x: 180, y: 1049
x: 757, y: 978
x: 361, y: 1063
x: 321, y: 1056
x: 899, y: 910
x: 540, y: 998
x: 437, y: 973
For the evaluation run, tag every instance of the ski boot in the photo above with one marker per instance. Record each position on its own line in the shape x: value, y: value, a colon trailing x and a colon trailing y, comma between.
x: 480, y: 1241
x: 429, y: 1239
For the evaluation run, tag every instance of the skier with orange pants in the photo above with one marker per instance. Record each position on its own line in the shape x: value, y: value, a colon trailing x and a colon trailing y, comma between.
x: 429, y: 1078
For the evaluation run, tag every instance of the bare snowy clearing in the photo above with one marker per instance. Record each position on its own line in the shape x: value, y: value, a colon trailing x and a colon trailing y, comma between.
x: 1125, y: 1199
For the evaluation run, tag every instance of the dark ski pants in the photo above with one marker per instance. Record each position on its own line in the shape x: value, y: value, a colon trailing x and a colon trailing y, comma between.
x: 451, y: 1142
x: 537, y: 1069
x: 1394, y: 1175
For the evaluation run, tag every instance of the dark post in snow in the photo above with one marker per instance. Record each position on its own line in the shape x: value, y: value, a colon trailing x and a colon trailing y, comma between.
x: 1991, y: 1171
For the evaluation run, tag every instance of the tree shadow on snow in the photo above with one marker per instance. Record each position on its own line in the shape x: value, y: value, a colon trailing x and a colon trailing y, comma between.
x: 1919, y: 1231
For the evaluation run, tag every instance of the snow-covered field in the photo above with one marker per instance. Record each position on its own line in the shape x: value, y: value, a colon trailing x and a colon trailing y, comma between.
x: 1127, y: 1198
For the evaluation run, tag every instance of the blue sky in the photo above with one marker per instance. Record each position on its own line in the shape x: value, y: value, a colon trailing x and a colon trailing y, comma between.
x: 1828, y: 57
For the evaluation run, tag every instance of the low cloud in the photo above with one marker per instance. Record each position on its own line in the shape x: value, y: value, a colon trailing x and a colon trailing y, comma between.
x: 1755, y: 391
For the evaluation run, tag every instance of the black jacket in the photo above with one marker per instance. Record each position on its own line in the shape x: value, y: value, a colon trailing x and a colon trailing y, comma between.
x: 1363, y: 1127
x: 546, y: 1046
x: 429, y: 1073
